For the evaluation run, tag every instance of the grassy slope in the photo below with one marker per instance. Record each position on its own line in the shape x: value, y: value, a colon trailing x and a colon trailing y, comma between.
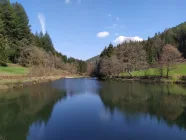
x: 13, y: 70
x: 180, y: 70
x: 11, y: 76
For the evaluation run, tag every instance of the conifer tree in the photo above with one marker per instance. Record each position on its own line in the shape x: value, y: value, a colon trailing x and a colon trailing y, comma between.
x: 22, y: 23
x: 47, y: 43
x: 8, y: 18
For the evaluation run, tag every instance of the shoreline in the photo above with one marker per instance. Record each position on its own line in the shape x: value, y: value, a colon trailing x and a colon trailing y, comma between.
x: 22, y: 81
x: 11, y: 83
x: 148, y: 80
x: 26, y: 81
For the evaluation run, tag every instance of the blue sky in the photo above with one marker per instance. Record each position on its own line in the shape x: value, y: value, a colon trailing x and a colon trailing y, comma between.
x: 74, y: 24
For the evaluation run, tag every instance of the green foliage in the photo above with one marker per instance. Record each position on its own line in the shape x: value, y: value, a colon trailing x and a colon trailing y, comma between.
x: 47, y: 43
x: 9, y: 19
x: 37, y: 39
x: 153, y: 47
x: 44, y: 41
x: 64, y: 58
x: 3, y: 52
x: 181, y: 37
x: 82, y: 66
x: 71, y: 60
x: 19, y: 45
x: 176, y: 36
x: 15, y: 28
x: 22, y: 23
x: 180, y: 70
x: 1, y: 26
x: 13, y: 70
x: 3, y: 57
x: 103, y: 53
x: 108, y: 51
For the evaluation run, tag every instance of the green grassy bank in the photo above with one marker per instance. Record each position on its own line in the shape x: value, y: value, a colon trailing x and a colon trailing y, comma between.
x: 179, y: 70
x: 176, y: 74
x: 14, y: 76
x: 13, y: 70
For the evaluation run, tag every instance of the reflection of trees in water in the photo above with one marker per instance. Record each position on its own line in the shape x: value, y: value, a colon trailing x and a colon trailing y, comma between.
x: 165, y: 102
x: 20, y: 108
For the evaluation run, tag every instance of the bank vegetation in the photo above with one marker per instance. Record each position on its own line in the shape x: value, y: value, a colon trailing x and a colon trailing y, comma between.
x: 164, y: 54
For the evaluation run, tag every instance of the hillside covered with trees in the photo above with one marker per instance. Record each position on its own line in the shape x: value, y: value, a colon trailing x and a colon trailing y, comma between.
x: 163, y: 52
x: 19, y: 45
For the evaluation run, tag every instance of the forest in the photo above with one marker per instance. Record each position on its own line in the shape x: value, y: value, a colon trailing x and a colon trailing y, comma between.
x: 18, y: 45
x: 163, y: 51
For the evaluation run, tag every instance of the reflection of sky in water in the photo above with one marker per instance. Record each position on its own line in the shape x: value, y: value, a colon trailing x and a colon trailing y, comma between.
x: 84, y: 116
x: 105, y: 116
x: 100, y: 114
x: 36, y: 131
x: 79, y: 85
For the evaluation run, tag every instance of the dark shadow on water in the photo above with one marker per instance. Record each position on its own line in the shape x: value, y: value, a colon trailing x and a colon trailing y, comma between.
x: 24, y: 111
x: 165, y: 102
x: 21, y: 107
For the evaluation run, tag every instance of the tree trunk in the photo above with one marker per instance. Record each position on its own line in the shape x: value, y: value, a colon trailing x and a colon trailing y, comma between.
x: 167, y: 72
x: 129, y: 73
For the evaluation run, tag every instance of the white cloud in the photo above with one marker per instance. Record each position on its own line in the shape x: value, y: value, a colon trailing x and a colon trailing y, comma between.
x: 41, y: 18
x: 109, y: 15
x: 67, y: 1
x: 103, y: 34
x: 122, y: 39
x: 117, y: 18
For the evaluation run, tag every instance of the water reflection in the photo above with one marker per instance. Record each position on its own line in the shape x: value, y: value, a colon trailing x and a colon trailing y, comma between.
x: 164, y: 102
x: 78, y: 86
x: 89, y: 109
x: 20, y: 108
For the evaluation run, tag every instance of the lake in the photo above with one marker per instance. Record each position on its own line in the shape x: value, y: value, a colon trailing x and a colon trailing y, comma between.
x: 89, y: 109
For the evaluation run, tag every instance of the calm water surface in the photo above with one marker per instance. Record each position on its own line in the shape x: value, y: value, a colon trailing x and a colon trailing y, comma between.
x: 88, y: 109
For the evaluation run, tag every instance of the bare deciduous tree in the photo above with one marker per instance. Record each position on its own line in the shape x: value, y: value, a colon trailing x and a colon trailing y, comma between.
x: 105, y: 66
x: 110, y: 66
x: 91, y: 69
x: 169, y: 57
x: 132, y: 57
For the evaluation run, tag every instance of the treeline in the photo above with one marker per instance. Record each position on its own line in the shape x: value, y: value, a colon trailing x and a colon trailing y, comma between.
x: 20, y: 46
x: 163, y: 50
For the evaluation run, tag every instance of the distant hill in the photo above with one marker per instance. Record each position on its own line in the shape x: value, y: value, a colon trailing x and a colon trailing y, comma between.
x: 93, y: 59
x: 175, y: 36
